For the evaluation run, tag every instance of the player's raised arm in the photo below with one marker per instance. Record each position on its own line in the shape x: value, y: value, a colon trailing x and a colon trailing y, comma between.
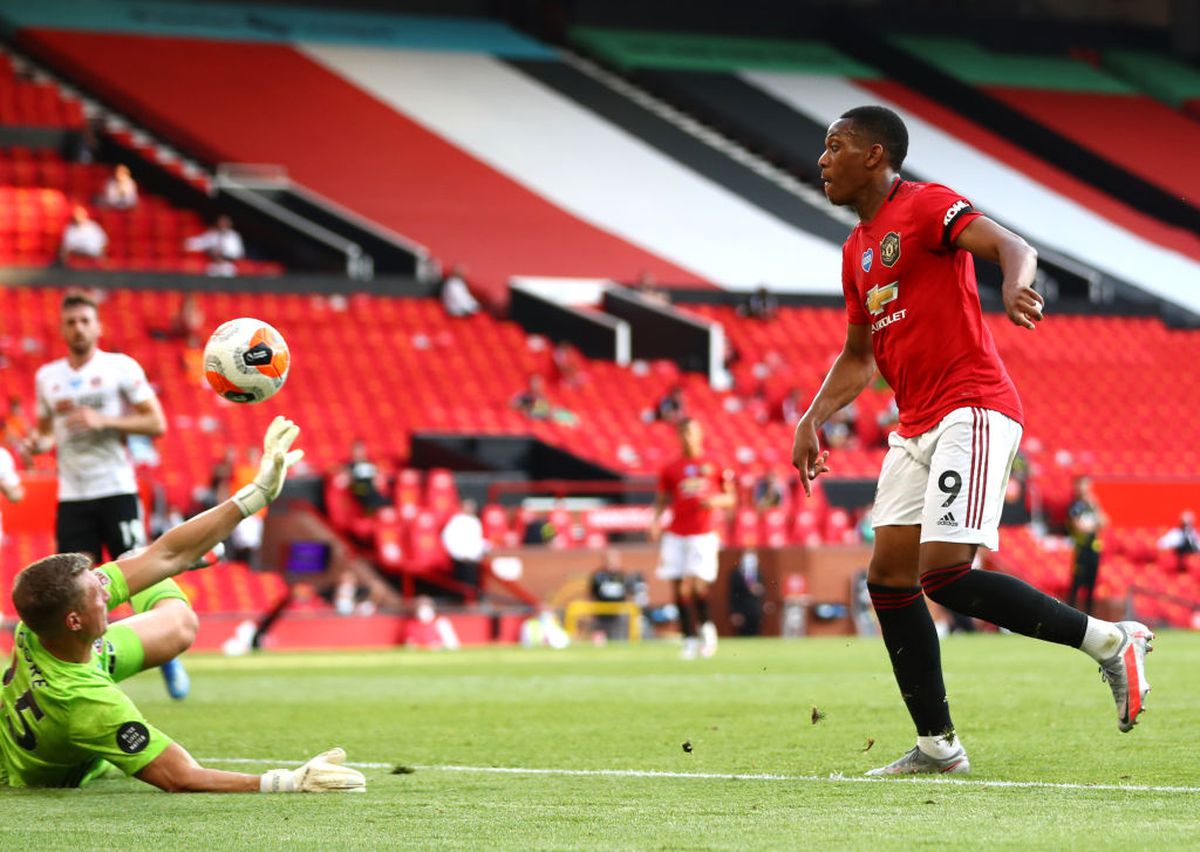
x: 176, y: 771
x: 179, y: 548
x: 1018, y: 262
x: 850, y: 373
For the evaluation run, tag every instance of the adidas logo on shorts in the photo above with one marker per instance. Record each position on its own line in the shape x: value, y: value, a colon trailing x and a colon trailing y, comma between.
x: 947, y: 520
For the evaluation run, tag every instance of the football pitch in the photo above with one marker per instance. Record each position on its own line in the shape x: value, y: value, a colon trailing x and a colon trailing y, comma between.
x: 585, y: 748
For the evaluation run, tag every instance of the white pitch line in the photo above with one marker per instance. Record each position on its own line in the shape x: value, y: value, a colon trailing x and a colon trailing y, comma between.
x: 729, y: 776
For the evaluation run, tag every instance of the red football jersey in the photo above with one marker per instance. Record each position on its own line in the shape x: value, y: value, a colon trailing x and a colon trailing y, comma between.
x: 687, y: 482
x: 903, y: 276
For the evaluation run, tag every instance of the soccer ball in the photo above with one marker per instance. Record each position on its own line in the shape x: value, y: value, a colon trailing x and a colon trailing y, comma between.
x: 246, y: 360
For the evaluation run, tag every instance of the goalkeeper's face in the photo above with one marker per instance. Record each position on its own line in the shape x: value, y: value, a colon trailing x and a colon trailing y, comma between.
x: 89, y: 616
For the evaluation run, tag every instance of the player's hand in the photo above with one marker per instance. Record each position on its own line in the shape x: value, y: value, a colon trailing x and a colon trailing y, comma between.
x: 278, y: 456
x: 1023, y: 305
x: 84, y: 419
x: 323, y: 774
x: 807, y: 456
x: 655, y: 530
x: 36, y: 443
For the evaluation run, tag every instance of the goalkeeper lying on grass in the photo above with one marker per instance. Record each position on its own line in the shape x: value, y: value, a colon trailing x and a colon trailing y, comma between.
x: 65, y: 720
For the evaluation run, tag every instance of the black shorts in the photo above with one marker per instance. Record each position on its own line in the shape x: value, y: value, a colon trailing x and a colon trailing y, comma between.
x: 114, y: 523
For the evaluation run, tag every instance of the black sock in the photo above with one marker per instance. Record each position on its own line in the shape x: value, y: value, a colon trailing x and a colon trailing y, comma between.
x: 701, y: 608
x: 912, y: 643
x: 1006, y: 602
x: 687, y: 622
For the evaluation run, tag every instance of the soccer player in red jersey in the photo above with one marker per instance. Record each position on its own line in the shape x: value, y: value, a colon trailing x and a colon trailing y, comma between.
x: 913, y: 312
x: 695, y: 486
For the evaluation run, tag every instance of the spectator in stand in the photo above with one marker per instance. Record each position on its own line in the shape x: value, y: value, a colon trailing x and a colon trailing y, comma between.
x: 770, y: 492
x: 81, y: 147
x: 761, y: 305
x: 838, y: 430
x: 565, y: 367
x: 364, y: 474
x: 791, y: 407
x: 222, y: 245
x: 120, y: 191
x: 83, y: 237
x: 887, y: 419
x: 456, y: 295
x: 1183, y: 540
x: 534, y: 404
x: 10, y: 483
x: 1085, y: 520
x: 648, y: 289
x: 532, y: 401
x: 192, y: 359
x: 464, y: 540
x: 671, y: 408
x: 220, y: 481
x: 16, y: 425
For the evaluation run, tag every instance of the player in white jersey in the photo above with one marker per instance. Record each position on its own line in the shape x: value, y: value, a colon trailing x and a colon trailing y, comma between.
x: 10, y: 483
x: 88, y: 403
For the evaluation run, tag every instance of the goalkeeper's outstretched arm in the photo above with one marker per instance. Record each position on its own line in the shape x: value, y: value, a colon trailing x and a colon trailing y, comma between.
x: 176, y: 771
x: 179, y: 548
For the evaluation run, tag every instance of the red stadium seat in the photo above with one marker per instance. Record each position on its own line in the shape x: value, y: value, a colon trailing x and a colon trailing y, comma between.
x: 495, y: 525
x: 425, y: 553
x: 775, y: 528
x: 441, y: 494
x: 745, y: 528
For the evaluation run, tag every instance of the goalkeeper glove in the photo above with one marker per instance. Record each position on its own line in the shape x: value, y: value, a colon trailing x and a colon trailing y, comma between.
x: 323, y: 774
x: 273, y: 471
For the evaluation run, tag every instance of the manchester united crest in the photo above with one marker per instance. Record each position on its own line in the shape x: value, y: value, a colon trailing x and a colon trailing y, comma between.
x: 889, y: 249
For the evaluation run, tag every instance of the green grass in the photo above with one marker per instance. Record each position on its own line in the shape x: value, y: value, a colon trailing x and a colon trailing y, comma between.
x: 1027, y: 713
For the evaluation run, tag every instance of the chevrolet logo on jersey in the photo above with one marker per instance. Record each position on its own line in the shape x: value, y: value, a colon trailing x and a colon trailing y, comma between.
x: 880, y: 295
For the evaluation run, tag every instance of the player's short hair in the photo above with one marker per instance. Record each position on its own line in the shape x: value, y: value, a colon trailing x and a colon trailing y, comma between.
x: 47, y: 589
x: 79, y: 300
x: 882, y: 125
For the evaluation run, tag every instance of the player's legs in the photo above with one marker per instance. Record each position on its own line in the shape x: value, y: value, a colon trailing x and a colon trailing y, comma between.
x: 969, y: 468
x: 909, y: 634
x: 968, y: 471
x: 78, y: 528
x: 904, y: 620
x: 672, y: 562
x: 701, y: 570
x: 122, y: 527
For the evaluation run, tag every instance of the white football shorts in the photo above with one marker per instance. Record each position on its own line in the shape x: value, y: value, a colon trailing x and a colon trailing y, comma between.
x: 951, y: 480
x: 689, y: 556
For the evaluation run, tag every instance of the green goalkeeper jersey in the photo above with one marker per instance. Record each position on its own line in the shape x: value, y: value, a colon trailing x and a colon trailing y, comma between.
x: 62, y: 720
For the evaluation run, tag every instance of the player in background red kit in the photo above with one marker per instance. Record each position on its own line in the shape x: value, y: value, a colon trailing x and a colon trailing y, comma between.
x: 696, y: 487
x: 913, y: 312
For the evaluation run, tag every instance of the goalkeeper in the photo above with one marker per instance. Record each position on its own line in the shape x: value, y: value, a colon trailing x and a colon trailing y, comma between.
x: 64, y: 718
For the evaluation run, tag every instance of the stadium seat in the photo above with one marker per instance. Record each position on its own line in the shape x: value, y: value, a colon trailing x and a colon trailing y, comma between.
x: 745, y: 531
x: 495, y: 525
x: 441, y: 494
x: 425, y: 553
